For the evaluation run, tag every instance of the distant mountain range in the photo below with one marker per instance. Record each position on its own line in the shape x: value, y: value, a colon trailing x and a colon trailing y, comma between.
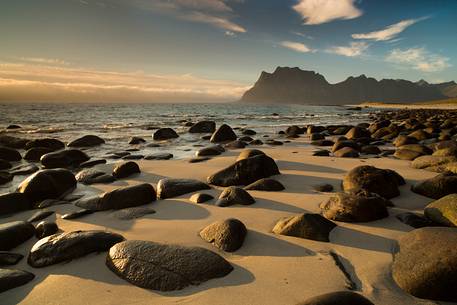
x: 295, y: 86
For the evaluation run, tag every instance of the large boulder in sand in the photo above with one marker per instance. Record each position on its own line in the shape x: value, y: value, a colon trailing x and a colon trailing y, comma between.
x: 165, y: 267
x: 437, y: 187
x: 126, y: 169
x: 64, y: 158
x: 224, y: 133
x: 308, y: 226
x: 346, y: 152
x: 91, y: 176
x: 14, y: 202
x: 434, y: 163
x: 126, y: 197
x: 383, y: 182
x: 406, y: 154
x: 266, y: 184
x: 10, y: 278
x: 234, y: 195
x: 9, y: 154
x: 248, y: 153
x: 338, y: 298
x: 245, y: 171
x: 426, y: 263
x: 213, y: 150
x: 168, y: 188
x: 443, y: 210
x: 64, y: 247
x: 48, y: 184
x: 357, y: 132
x: 34, y: 154
x: 51, y: 143
x: 86, y: 141
x: 227, y: 235
x: 165, y: 134
x: 14, y: 233
x: 203, y: 127
x: 361, y: 206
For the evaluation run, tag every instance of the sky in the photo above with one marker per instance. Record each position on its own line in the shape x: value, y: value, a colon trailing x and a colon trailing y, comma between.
x: 213, y: 50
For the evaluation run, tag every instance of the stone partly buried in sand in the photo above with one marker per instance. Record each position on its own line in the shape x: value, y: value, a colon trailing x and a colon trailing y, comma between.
x: 234, y: 195
x: 361, y: 206
x: 120, y: 198
x: 67, y: 246
x: 383, y: 182
x: 47, y: 184
x: 164, y: 134
x: 9, y: 258
x: 443, y: 211
x: 308, y: 226
x: 125, y: 169
x: 169, y: 188
x: 86, y: 141
x: 14, y: 233
x: 200, y: 198
x: 338, y: 298
x: 426, y: 263
x: 245, y: 171
x: 91, y: 176
x: 64, y: 158
x: 10, y: 278
x: 165, y: 267
x: 432, y: 163
x: 227, y: 235
x: 437, y: 187
x: 266, y: 184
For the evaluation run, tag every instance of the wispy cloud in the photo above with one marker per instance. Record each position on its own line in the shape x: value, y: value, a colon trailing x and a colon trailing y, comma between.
x: 32, y: 82
x: 390, y: 32
x: 296, y: 46
x: 219, y: 22
x: 46, y: 61
x: 418, y: 59
x: 354, y: 49
x: 322, y: 11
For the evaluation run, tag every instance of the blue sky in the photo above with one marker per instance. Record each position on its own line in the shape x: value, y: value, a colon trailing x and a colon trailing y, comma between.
x: 178, y: 50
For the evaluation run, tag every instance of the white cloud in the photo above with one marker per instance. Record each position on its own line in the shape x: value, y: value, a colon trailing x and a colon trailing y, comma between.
x: 296, y: 46
x: 46, y: 61
x: 354, y: 49
x: 389, y: 32
x: 219, y: 22
x: 322, y: 11
x: 418, y: 59
x: 35, y: 82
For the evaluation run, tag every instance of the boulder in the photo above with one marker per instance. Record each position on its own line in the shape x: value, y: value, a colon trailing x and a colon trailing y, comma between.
x: 346, y: 152
x: 357, y: 132
x: 323, y: 143
x: 159, y: 156
x: 223, y: 134
x: 245, y: 171
x: 210, y: 151
x: 443, y: 211
x: 45, y: 228
x: 446, y: 152
x: 237, y: 144
x: 10, y: 278
x: 432, y: 162
x: 66, y: 246
x: 437, y: 187
x: 227, y: 235
x: 24, y: 169
x: 203, y: 127
x: 308, y: 226
x: 414, y: 220
x: 91, y: 163
x: 168, y: 188
x: 406, y: 154
x: 64, y: 158
x: 50, y: 143
x: 14, y: 233
x: 234, y: 195
x: 361, y: 206
x: 248, y: 132
x: 165, y: 267
x: 136, y: 140
x: 266, y: 184
x: 338, y: 298
x: 345, y: 143
x: 9, y: 154
x: 13, y: 142
x: 323, y: 187
x: 86, y: 141
x: 425, y: 264
x: 316, y: 136
x: 48, y: 184
x: 370, y: 150
x: 248, y: 153
x: 126, y: 169
x: 383, y: 182
x: 165, y: 134
x: 76, y: 214
x: 126, y: 197
x: 200, y: 198
x: 424, y: 150
x: 91, y: 176
x: 404, y: 140
x: 419, y: 135
x: 37, y: 216
x: 9, y: 258
x: 132, y: 213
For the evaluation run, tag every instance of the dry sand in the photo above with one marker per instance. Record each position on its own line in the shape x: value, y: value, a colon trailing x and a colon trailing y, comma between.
x: 269, y: 269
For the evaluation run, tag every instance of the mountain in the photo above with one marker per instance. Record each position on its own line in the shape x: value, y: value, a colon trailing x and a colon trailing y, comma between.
x: 296, y: 86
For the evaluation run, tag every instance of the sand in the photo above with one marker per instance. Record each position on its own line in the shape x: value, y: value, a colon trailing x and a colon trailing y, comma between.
x: 269, y: 269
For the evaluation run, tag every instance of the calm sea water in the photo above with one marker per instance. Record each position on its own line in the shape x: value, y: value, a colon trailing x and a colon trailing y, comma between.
x: 116, y: 123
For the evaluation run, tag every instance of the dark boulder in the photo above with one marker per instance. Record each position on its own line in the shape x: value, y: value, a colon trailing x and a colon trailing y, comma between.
x: 86, y: 141
x: 14, y: 233
x: 437, y: 187
x: 165, y: 134
x: 406, y: 154
x: 45, y: 228
x: 414, y: 220
x: 346, y: 152
x: 10, y: 278
x: 9, y: 258
x: 323, y: 187
x: 165, y: 267
x: 203, y: 127
x: 14, y: 202
x: 77, y: 214
x: 169, y: 188
x: 224, y: 133
x: 64, y: 158
x: 210, y: 151
x: 227, y: 235
x: 200, y: 198
x: 159, y: 156
x: 37, y: 216
x: 92, y: 163
x: 323, y: 143
x: 13, y: 142
x: 266, y: 184
x: 136, y: 140
x: 443, y: 211
x: 404, y: 140
x: 321, y: 153
x: 338, y: 298
x: 91, y: 176
x: 345, y: 143
x: 308, y: 226
x: 24, y: 169
x: 50, y: 143
x: 357, y: 132
x: 126, y: 169
x: 237, y: 144
x: 234, y: 195
x: 9, y: 154
x: 370, y: 150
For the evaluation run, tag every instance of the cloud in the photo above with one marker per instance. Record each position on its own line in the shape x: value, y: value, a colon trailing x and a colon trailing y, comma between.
x: 30, y: 82
x: 219, y: 22
x: 418, y: 59
x: 354, y: 49
x: 322, y: 11
x: 389, y: 32
x: 46, y: 61
x: 296, y: 46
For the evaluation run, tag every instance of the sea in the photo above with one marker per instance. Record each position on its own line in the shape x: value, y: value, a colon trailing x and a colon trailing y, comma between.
x: 116, y: 123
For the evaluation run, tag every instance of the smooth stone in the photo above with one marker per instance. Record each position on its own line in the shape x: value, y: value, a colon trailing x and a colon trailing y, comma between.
x: 256, y: 142
x: 338, y: 298
x: 159, y: 156
x: 25, y: 169
x: 66, y: 246
x: 13, y: 126
x: 77, y: 214
x: 345, y: 143
x: 132, y: 213
x: 414, y: 220
x: 14, y: 233
x: 248, y: 132
x: 234, y: 195
x: 203, y: 127
x: 92, y: 163
x: 323, y: 142
x: 424, y: 150
x: 126, y: 169
x: 357, y: 132
x: 133, y: 157
x: 198, y: 159
x: 321, y: 153
x: 200, y: 198
x: 48, y: 184
x: 237, y: 144
x: 443, y: 211
x: 223, y: 134
x: 9, y: 258
x: 86, y: 141
x: 266, y: 184
x: 406, y: 154
x: 446, y: 152
x: 9, y: 154
x: 64, y: 158
x: 426, y: 162
x: 324, y: 187
x: 248, y: 153
x: 35, y: 153
x: 165, y: 134
x: 13, y: 142
x: 92, y: 176
x: 136, y: 140
x: 425, y: 264
x: 370, y: 150
x: 45, y: 228
x: 227, y: 235
x: 165, y: 267
x: 51, y: 143
x: 213, y: 150
x: 404, y: 140
x: 308, y: 226
x: 346, y: 152
x: 40, y: 215
x: 169, y: 188
x: 437, y: 187
x: 10, y: 278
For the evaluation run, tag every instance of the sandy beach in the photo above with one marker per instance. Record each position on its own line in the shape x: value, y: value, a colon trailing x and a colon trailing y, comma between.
x: 268, y: 269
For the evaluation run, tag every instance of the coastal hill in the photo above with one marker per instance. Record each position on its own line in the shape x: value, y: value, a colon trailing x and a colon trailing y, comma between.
x: 293, y: 85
